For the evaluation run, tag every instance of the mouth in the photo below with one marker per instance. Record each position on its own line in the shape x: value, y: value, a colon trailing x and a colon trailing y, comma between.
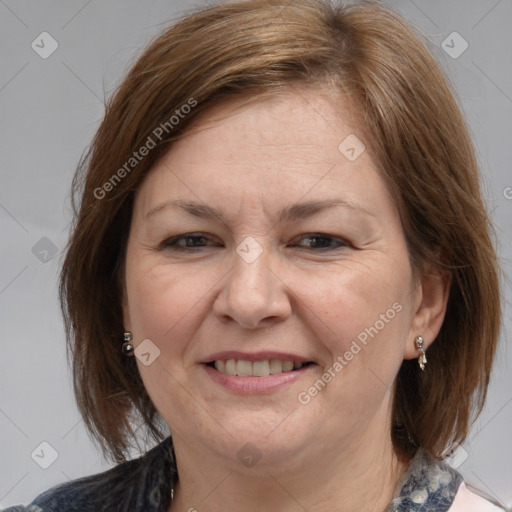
x: 262, y: 368
x: 263, y: 372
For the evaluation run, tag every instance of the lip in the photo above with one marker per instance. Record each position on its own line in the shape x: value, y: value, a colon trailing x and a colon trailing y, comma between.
x: 255, y: 385
x: 255, y: 356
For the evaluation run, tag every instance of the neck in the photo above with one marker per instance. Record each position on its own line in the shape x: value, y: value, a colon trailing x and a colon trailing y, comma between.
x: 362, y: 477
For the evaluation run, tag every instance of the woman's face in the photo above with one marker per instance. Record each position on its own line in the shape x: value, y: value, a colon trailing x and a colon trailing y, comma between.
x: 258, y: 243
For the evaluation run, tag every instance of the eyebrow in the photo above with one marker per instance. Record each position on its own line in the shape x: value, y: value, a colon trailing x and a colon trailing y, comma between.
x: 290, y: 213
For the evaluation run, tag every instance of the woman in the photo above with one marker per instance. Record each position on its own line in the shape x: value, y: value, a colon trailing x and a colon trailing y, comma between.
x: 280, y: 218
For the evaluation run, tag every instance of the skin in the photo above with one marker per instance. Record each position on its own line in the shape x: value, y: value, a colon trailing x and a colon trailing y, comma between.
x: 249, y: 162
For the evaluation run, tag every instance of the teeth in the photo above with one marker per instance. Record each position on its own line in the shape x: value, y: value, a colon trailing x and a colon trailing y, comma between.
x: 260, y: 368
x: 287, y: 366
x: 221, y: 366
x: 276, y: 366
x: 244, y: 368
x: 231, y: 367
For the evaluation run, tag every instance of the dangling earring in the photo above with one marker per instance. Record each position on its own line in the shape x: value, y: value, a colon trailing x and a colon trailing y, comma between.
x: 422, y: 359
x: 128, y: 348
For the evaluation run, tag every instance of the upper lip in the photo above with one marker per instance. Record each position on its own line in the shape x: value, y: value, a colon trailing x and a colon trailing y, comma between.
x: 254, y: 356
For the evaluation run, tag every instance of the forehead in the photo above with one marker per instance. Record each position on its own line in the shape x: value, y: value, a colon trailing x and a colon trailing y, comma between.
x: 297, y: 117
x: 276, y: 149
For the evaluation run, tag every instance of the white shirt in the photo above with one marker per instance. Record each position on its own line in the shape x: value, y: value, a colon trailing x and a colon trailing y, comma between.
x: 467, y: 501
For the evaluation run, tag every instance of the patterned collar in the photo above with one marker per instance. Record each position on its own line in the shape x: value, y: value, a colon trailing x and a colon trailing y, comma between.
x: 428, y: 485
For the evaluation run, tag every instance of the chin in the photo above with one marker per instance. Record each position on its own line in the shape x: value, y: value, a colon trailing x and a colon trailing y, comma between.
x: 261, y: 440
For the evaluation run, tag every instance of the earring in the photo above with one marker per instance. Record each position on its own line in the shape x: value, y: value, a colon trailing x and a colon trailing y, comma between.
x: 422, y: 359
x: 128, y: 347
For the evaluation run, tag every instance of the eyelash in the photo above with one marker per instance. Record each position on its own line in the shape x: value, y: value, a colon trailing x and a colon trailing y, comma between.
x: 172, y: 243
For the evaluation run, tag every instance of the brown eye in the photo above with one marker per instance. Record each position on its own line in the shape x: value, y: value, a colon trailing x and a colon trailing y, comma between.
x: 322, y: 242
x: 186, y: 242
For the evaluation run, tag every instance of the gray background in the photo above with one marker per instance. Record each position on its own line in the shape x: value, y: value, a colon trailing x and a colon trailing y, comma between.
x: 49, y: 111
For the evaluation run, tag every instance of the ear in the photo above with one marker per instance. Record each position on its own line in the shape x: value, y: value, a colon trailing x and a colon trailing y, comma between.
x: 430, y: 308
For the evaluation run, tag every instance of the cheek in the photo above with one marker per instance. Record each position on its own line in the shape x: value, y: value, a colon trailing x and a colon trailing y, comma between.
x: 361, y: 312
x: 362, y: 318
x: 164, y: 303
x: 160, y: 298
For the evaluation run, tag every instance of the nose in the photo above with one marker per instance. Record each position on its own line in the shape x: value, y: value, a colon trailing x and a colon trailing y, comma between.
x: 253, y: 295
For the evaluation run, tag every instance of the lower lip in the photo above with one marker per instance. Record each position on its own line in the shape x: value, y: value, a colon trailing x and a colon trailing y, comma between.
x: 255, y: 385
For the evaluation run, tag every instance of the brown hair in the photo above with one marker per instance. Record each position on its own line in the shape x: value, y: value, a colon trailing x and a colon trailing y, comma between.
x: 424, y: 151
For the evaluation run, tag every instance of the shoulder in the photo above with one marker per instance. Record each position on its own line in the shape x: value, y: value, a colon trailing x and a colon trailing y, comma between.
x: 467, y: 501
x: 141, y: 484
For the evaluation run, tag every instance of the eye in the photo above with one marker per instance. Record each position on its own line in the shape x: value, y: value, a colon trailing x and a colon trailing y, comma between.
x: 322, y: 242
x: 186, y: 242
x: 192, y: 242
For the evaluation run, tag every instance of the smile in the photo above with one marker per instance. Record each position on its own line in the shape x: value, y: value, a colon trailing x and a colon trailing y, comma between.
x: 262, y: 376
x: 244, y: 368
